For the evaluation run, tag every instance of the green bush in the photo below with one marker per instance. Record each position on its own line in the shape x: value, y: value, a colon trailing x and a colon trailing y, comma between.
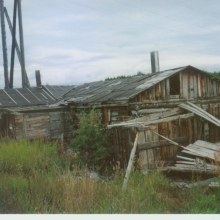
x: 91, y: 141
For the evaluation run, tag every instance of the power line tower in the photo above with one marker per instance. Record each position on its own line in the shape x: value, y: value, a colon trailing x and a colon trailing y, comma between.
x: 20, y: 50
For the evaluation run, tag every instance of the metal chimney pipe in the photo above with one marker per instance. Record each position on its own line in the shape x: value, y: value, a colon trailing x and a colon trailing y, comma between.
x: 4, y: 44
x: 38, y: 79
x: 155, y: 67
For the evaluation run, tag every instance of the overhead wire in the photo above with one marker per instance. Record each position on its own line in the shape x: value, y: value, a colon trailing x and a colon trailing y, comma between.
x: 126, y: 18
x: 169, y: 17
x: 194, y: 9
x: 155, y: 26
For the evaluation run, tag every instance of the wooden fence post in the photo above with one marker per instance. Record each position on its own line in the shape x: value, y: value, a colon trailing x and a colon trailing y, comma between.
x: 131, y: 160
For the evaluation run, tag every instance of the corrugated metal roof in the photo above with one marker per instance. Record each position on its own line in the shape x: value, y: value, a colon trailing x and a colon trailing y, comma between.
x: 25, y: 97
x: 57, y: 91
x: 116, y: 90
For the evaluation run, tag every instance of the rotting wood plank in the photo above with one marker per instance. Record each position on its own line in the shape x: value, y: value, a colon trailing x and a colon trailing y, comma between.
x: 200, y: 113
x: 195, y: 128
x: 191, y: 170
x: 203, y: 86
x: 131, y: 160
x: 157, y: 91
x: 208, y: 167
x: 199, y: 85
x: 192, y: 86
x: 214, y: 88
x: 204, y: 112
x: 201, y: 148
x: 167, y: 89
x: 141, y: 125
x: 143, y: 157
x: 185, y: 158
x: 155, y: 144
x: 190, y: 130
x: 163, y: 90
x: 159, y: 115
x: 185, y: 86
x: 181, y: 84
x: 150, y: 154
x: 195, y: 85
x: 153, y: 92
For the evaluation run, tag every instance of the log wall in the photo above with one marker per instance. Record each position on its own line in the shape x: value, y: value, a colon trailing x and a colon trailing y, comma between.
x: 34, y: 125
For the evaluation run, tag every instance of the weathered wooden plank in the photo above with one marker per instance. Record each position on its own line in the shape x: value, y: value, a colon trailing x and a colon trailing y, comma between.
x: 185, y: 158
x: 42, y: 124
x: 167, y: 89
x: 204, y: 112
x: 218, y: 88
x: 192, y: 86
x: 190, y: 130
x: 199, y: 85
x: 150, y: 153
x: 157, y: 91
x: 207, y: 86
x: 195, y: 86
x: 105, y: 114
x: 195, y: 128
x: 140, y: 124
x: 181, y: 84
x: 151, y: 111
x: 208, y: 145
x: 143, y: 159
x: 153, y: 93
x: 171, y: 135
x: 163, y: 90
x: 24, y: 126
x: 214, y: 88
x: 179, y: 169
x: 156, y: 144
x: 211, y: 88
x: 203, y: 86
x: 199, y: 113
x: 131, y: 160
x: 185, y: 86
x: 36, y: 119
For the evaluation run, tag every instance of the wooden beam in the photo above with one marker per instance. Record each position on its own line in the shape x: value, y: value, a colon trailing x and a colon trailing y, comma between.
x: 156, y: 144
x: 167, y: 89
x: 131, y: 160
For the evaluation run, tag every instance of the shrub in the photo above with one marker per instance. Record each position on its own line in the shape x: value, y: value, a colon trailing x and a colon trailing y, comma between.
x: 91, y: 141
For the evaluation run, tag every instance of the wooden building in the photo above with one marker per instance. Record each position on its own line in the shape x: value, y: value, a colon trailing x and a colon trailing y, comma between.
x: 156, y: 96
x: 30, y: 113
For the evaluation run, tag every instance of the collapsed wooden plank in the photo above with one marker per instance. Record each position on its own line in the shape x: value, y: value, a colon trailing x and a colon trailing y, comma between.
x: 204, y: 112
x: 198, y: 111
x: 185, y: 170
x: 151, y: 122
x: 156, y: 144
x: 208, y: 145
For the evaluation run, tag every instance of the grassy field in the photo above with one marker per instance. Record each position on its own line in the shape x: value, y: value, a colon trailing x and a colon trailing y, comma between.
x: 35, y: 179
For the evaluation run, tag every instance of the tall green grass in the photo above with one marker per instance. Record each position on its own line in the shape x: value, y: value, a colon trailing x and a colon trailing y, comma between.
x: 34, y: 179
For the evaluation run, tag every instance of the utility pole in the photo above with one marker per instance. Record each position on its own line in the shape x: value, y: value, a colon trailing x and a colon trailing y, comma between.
x: 24, y: 78
x: 16, y: 47
x: 13, y: 44
x: 4, y: 44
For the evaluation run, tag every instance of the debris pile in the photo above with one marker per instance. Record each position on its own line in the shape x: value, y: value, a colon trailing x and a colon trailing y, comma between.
x: 201, y: 157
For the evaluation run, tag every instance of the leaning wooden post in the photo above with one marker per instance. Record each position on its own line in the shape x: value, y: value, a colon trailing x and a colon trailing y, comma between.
x: 130, y: 163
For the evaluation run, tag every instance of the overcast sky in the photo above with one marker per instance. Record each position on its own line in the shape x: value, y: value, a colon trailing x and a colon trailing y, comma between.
x: 77, y: 41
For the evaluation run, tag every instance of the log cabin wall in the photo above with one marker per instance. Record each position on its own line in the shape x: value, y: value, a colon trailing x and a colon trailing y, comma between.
x: 36, y: 125
x: 187, y: 84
